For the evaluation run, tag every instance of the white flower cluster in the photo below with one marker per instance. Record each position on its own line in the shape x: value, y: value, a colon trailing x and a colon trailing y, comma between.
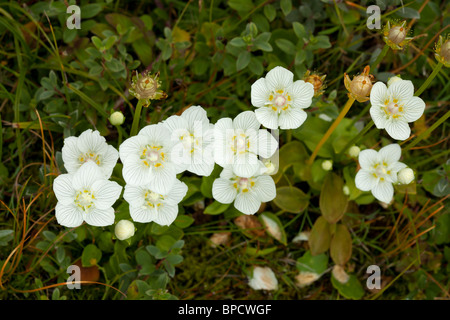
x: 153, y: 158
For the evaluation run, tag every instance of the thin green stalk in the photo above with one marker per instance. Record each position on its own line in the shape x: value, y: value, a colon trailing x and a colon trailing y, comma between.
x: 437, y: 156
x: 331, y: 129
x: 357, y: 137
x: 380, y: 57
x: 136, y: 118
x: 427, y: 132
x: 436, y: 70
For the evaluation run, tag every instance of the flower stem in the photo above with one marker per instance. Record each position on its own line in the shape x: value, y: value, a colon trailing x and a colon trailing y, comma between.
x: 436, y: 70
x: 427, y: 132
x: 380, y: 57
x: 136, y: 119
x: 331, y: 129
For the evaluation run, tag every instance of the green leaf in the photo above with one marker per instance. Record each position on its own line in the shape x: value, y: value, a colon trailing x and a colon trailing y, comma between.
x: 90, y: 10
x: 270, y: 12
x: 300, y: 56
x: 309, y: 263
x: 165, y: 242
x: 291, y: 153
x: 442, y: 232
x: 352, y: 289
x: 91, y: 255
x: 408, y: 13
x: 183, y: 221
x: 341, y: 245
x: 286, y: 6
x: 238, y: 42
x: 216, y: 208
x: 207, y: 182
x: 97, y: 42
x: 291, y: 199
x: 241, y: 5
x: 286, y: 46
x: 320, y: 237
x: 299, y: 30
x: 333, y: 202
x: 243, y: 60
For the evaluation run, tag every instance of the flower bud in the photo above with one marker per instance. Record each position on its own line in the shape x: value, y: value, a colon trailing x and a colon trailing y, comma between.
x: 271, y: 168
x: 359, y: 88
x: 317, y: 81
x: 346, y: 190
x: 146, y: 87
x: 124, y: 229
x: 340, y: 274
x: 354, y: 151
x: 116, y: 118
x: 263, y: 279
x: 443, y: 51
x: 397, y: 34
x: 327, y: 165
x: 392, y: 80
x: 405, y: 176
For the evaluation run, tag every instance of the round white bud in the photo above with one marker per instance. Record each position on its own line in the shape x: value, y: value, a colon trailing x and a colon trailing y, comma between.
x: 346, y: 190
x: 327, y: 165
x: 116, y: 118
x: 124, y: 229
x: 354, y: 151
x: 392, y: 80
x: 405, y: 176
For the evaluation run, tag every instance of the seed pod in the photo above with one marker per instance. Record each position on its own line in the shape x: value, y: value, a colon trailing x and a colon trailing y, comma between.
x: 359, y: 88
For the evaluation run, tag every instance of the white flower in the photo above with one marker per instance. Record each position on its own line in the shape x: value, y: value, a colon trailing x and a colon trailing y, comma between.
x: 405, y: 176
x: 394, y: 106
x: 85, y: 195
x: 379, y: 171
x: 196, y: 135
x: 280, y: 101
x: 146, y: 205
x: 238, y: 143
x: 247, y: 193
x: 354, y: 151
x: 152, y: 158
x: 124, y: 229
x: 90, y: 146
x: 263, y: 279
x: 327, y: 165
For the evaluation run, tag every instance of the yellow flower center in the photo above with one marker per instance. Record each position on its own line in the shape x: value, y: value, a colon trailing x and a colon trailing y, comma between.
x: 84, y: 199
x: 279, y: 100
x: 89, y: 156
x: 153, y: 156
x: 152, y: 199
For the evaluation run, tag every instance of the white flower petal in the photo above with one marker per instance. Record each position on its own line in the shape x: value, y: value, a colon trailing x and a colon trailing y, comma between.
x: 396, y: 167
x: 267, y: 117
x: 134, y: 195
x: 135, y: 172
x: 109, y: 161
x: 378, y: 94
x: 177, y: 125
x: 163, y: 179
x: 267, y: 144
x: 68, y: 216
x: 413, y: 109
x: 91, y: 141
x: 177, y: 193
x: 264, y: 188
x: 378, y: 116
x: 302, y: 94
x: 70, y: 154
x: 383, y: 191
x: 223, y: 190
x: 157, y: 134
x: 245, y: 165
x: 390, y: 153
x: 247, y: 202
x: 227, y: 172
x: 142, y: 214
x: 259, y: 93
x: 88, y: 173
x: 367, y: 158
x: 196, y: 117
x: 63, y: 189
x: 100, y: 217
x: 246, y: 120
x: 365, y: 181
x: 398, y: 129
x: 166, y: 215
x: 202, y: 169
x: 106, y: 193
x: 401, y: 90
x: 291, y: 118
x: 133, y: 145
x: 279, y: 78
